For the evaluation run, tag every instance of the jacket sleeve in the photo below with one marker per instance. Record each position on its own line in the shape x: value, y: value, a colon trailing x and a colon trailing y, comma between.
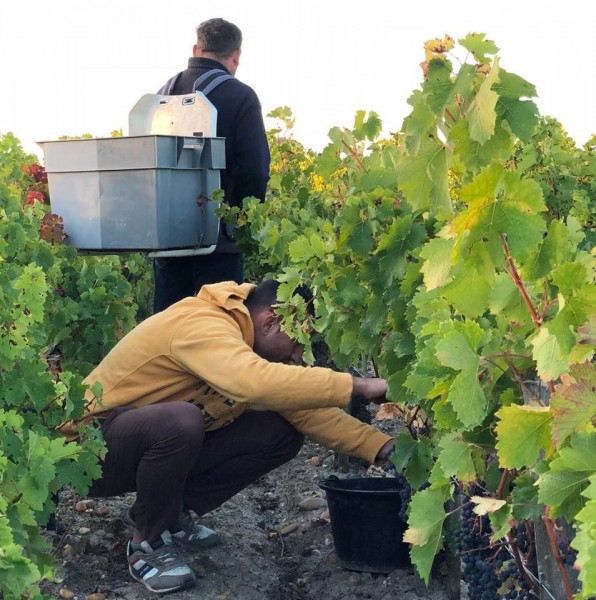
x: 335, y: 429
x: 251, y: 152
x: 221, y: 358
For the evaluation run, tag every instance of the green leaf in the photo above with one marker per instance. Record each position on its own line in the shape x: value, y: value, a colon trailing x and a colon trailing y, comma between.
x: 437, y: 262
x: 584, y: 542
x: 413, y: 458
x: 423, y: 178
x: 501, y: 204
x: 574, y: 402
x: 465, y: 278
x: 524, y: 497
x: 561, y: 486
x: 523, y: 434
x: 551, y: 362
x: 478, y: 46
x: 425, y: 527
x: 455, y: 351
x: 468, y: 399
x: 500, y: 522
x: 456, y: 458
x: 482, y: 114
x: 438, y: 85
x: 542, y: 261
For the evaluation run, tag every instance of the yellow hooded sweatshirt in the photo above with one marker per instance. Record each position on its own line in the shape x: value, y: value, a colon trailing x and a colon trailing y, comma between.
x: 200, y: 350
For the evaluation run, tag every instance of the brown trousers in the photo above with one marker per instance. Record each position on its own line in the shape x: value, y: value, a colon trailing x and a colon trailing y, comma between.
x: 162, y: 452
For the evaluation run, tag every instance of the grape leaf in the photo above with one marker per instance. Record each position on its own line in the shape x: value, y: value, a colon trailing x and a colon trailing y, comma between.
x: 574, y: 402
x: 456, y: 458
x: 583, y: 542
x: 551, y: 362
x: 486, y: 505
x: 423, y: 178
x: 482, y: 114
x: 413, y: 458
x: 525, y: 499
x: 468, y: 399
x: 478, y: 46
x: 437, y: 262
x: 523, y: 434
x: 568, y: 475
x: 425, y: 526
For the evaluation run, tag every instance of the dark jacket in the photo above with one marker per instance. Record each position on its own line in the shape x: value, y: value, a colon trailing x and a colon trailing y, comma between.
x: 240, y: 121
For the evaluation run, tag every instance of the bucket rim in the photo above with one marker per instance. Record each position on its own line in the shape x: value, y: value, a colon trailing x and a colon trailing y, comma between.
x: 328, y: 485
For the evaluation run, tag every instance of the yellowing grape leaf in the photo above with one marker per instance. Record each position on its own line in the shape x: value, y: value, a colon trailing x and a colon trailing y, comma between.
x: 523, y: 434
x: 486, y: 505
x: 574, y: 402
x: 437, y: 262
x: 388, y: 410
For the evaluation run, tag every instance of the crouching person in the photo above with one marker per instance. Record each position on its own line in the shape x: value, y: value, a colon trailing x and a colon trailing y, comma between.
x: 199, y: 401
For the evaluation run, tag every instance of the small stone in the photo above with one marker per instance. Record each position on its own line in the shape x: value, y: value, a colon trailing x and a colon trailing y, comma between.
x: 84, y: 530
x: 315, y: 461
x: 312, y: 503
x: 66, y: 593
x: 68, y: 550
x: 83, y: 505
x: 289, y: 529
x: 102, y: 511
x: 332, y: 558
x: 96, y: 596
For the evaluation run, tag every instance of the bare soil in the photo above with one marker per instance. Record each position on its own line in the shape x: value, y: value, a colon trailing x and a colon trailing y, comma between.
x: 274, y: 548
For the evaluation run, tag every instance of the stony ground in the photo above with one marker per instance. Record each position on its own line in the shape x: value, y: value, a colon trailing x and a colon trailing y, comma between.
x: 277, y: 545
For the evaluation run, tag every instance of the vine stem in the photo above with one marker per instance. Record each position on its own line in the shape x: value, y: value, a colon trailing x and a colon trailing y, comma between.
x: 502, y: 483
x: 520, y: 284
x: 353, y: 153
x: 550, y: 531
x: 518, y: 562
x: 374, y: 365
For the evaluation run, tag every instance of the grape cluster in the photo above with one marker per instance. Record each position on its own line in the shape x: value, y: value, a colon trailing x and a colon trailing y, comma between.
x: 568, y: 554
x: 405, y: 490
x: 489, y: 569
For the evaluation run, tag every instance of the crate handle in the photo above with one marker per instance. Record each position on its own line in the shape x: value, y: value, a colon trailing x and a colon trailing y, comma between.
x: 188, y: 143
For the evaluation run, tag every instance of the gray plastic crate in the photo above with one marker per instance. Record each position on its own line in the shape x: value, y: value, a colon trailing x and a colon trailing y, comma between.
x: 135, y: 193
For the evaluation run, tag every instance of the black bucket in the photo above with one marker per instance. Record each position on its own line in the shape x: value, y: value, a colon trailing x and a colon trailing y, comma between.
x: 365, y: 523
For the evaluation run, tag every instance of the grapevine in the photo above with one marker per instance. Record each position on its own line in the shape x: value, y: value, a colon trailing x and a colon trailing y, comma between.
x: 457, y: 257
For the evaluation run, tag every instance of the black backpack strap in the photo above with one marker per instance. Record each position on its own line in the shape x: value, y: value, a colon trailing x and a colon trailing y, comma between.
x: 208, y: 81
x: 168, y: 86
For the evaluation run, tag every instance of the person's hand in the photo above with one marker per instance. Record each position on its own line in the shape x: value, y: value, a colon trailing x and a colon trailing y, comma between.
x: 373, y: 389
x: 384, y: 454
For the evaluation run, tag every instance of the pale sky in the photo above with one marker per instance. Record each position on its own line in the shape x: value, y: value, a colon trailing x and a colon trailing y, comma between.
x: 78, y: 66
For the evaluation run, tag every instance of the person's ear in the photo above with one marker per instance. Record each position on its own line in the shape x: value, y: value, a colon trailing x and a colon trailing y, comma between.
x: 236, y: 57
x: 195, y: 51
x: 270, y: 322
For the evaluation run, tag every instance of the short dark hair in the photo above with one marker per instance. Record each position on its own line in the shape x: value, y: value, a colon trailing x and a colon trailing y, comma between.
x: 264, y: 295
x: 219, y: 37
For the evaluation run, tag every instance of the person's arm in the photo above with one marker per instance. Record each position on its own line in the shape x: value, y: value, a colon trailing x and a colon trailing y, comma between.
x: 384, y: 454
x: 250, y: 147
x: 335, y: 429
x: 373, y: 389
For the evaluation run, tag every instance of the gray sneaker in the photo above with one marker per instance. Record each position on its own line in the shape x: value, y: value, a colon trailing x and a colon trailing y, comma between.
x: 158, y: 567
x: 188, y: 533
x: 192, y: 534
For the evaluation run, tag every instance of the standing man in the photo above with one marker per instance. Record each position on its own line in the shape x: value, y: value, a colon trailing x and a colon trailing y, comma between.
x: 240, y: 122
